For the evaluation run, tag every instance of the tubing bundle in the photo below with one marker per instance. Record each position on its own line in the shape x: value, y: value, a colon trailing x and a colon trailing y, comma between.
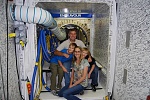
x: 36, y: 15
x: 45, y: 56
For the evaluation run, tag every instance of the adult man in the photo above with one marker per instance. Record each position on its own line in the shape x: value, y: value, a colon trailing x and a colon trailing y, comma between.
x: 72, y: 39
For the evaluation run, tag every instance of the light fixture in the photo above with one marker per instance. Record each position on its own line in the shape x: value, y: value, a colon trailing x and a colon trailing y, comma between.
x: 65, y: 10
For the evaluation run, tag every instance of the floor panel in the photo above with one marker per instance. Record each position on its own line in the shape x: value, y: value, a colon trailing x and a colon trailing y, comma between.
x: 88, y: 95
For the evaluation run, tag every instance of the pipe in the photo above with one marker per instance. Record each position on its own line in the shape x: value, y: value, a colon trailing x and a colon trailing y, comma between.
x: 36, y: 15
x: 40, y: 74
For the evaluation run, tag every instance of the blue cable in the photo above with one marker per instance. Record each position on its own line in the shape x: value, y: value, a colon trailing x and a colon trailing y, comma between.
x: 46, y: 56
x: 44, y: 48
x: 43, y: 82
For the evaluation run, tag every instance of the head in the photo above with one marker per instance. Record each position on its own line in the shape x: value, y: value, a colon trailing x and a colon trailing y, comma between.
x: 72, y: 47
x: 72, y: 34
x: 85, y: 53
x: 77, y: 53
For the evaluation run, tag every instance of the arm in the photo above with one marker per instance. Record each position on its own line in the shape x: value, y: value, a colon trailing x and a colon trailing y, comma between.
x: 85, y: 71
x: 72, y: 77
x: 59, y: 53
x: 62, y: 66
x: 60, y: 48
x: 93, y: 66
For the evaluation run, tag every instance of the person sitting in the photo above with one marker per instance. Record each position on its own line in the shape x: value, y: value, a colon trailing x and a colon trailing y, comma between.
x: 79, y: 77
x: 93, y: 69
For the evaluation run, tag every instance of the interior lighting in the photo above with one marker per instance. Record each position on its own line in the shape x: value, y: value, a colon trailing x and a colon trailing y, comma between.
x: 65, y: 10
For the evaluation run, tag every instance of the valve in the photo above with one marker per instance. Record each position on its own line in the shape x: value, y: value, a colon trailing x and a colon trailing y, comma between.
x: 21, y: 43
x: 20, y: 35
x: 106, y: 97
x: 11, y: 35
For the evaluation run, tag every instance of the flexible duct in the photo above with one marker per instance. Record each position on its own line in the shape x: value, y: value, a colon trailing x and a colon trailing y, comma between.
x: 36, y: 15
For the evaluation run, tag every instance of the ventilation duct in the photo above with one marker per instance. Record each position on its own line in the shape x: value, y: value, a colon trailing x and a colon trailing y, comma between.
x: 36, y: 15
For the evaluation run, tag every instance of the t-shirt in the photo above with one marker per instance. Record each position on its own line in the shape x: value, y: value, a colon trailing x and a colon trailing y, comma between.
x: 65, y: 44
x: 78, y: 72
x: 92, y: 62
x: 61, y: 58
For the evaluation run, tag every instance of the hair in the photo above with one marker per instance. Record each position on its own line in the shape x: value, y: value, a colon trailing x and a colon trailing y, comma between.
x: 74, y: 58
x: 72, y: 30
x: 86, y: 49
x: 73, y: 44
x: 88, y: 52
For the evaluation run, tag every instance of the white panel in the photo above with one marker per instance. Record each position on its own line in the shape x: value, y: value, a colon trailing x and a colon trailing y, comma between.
x: 91, y: 34
x: 113, y: 31
x: 30, y: 51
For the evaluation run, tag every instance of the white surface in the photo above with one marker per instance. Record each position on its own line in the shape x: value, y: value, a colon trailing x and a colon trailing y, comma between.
x: 113, y: 28
x: 88, y: 95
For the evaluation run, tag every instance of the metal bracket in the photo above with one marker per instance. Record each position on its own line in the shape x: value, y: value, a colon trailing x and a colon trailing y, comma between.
x: 21, y: 34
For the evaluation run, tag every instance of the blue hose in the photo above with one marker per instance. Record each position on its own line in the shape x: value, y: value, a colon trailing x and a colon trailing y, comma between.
x: 44, y: 48
x: 35, y: 69
x: 46, y: 55
x: 43, y: 82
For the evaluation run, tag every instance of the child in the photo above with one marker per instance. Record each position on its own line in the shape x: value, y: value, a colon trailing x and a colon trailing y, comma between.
x: 57, y: 67
x: 93, y: 69
x: 79, y: 77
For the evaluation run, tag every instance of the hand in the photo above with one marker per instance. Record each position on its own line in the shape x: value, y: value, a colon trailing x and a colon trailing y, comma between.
x: 70, y: 86
x: 64, y: 69
x: 66, y: 55
x: 89, y: 75
x: 89, y: 59
x: 48, y: 51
